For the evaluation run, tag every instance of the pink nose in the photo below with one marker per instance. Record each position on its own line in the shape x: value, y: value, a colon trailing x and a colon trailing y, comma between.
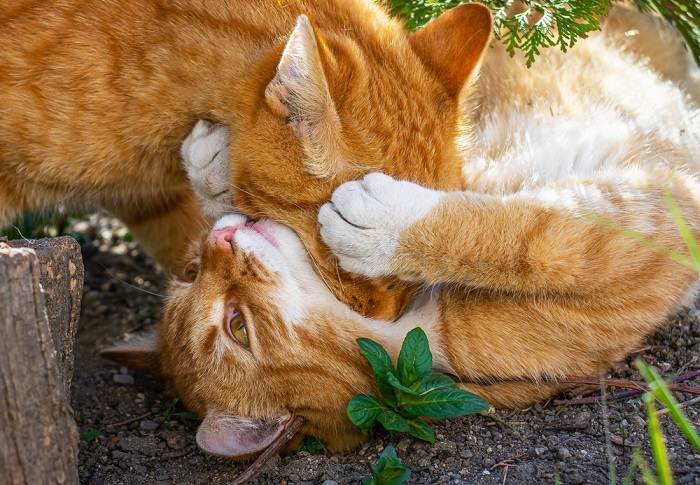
x: 222, y: 237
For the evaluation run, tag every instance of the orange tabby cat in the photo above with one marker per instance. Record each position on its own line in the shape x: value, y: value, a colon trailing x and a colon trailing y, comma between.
x: 523, y: 282
x: 96, y: 97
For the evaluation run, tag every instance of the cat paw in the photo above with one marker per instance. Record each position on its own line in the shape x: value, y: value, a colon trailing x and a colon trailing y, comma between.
x: 363, y: 222
x: 205, y: 154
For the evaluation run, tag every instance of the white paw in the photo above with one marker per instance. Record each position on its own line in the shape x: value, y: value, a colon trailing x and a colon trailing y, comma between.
x: 205, y: 156
x: 363, y: 222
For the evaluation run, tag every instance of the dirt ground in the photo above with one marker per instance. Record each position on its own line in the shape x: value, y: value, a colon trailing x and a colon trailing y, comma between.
x: 132, y: 433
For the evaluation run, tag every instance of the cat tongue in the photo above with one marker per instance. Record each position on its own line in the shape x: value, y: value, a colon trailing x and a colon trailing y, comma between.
x: 261, y: 228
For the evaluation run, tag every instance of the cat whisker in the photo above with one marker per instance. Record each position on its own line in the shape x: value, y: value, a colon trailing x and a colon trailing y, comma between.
x: 126, y: 283
x: 318, y: 270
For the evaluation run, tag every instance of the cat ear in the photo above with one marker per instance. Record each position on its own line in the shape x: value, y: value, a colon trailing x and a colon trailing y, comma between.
x: 138, y: 353
x: 299, y: 93
x: 229, y: 436
x: 453, y: 44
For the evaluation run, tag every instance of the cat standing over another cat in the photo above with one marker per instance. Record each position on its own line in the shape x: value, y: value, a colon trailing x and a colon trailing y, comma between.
x: 96, y: 98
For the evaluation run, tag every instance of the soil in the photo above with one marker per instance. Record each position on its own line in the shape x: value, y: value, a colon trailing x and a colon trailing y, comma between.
x: 132, y: 433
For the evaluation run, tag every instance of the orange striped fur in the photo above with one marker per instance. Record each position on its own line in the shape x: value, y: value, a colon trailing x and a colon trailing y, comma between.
x: 96, y: 97
x: 521, y: 283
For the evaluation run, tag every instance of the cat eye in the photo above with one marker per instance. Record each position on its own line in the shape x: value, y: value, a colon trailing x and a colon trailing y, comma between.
x: 236, y: 329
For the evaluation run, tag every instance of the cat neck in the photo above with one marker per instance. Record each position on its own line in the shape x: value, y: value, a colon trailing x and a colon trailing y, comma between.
x: 424, y: 312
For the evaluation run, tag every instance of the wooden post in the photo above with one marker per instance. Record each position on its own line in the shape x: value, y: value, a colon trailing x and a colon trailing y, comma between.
x: 38, y: 436
x: 62, y: 276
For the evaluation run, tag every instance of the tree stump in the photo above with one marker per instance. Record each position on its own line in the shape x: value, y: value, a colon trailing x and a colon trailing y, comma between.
x: 38, y: 436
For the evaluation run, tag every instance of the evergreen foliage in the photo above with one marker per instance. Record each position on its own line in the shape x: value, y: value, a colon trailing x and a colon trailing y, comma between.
x: 550, y: 23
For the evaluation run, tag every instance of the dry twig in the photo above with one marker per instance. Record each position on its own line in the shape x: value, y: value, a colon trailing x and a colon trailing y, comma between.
x: 274, y: 448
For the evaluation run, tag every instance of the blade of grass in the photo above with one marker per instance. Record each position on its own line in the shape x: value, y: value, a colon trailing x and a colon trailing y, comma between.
x: 658, y: 447
x: 661, y: 392
x: 638, y: 462
x: 651, y: 243
x: 647, y: 476
x: 629, y: 476
x: 684, y: 230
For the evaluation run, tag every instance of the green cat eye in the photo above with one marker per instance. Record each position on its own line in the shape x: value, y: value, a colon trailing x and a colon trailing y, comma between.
x: 237, y: 329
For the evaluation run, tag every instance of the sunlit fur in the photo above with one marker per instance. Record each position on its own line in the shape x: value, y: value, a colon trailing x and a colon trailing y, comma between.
x: 522, y: 280
x: 96, y: 97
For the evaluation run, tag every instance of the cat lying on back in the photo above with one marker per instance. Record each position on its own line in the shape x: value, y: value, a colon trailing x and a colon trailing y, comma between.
x: 96, y: 98
x: 522, y: 285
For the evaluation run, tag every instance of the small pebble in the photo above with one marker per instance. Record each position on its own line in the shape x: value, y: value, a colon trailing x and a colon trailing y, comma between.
x: 175, y: 441
x: 563, y: 453
x: 540, y: 450
x: 403, y: 445
x: 148, y: 425
x: 123, y: 379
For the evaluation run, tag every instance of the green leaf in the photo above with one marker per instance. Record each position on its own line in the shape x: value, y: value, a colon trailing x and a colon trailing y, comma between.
x: 393, y: 421
x: 394, y: 382
x: 311, y: 445
x: 90, y: 435
x: 415, y: 360
x: 388, y: 470
x: 420, y: 429
x: 436, y: 381
x: 442, y: 403
x: 363, y: 410
x: 381, y: 364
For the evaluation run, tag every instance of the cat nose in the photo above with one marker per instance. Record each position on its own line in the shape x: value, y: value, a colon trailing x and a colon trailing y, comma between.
x: 222, y: 237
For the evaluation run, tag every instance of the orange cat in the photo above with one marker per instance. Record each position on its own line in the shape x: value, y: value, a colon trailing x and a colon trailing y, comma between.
x: 521, y: 284
x: 96, y: 97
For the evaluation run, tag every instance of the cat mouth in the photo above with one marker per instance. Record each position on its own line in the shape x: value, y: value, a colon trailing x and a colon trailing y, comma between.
x: 223, y: 232
x: 262, y: 227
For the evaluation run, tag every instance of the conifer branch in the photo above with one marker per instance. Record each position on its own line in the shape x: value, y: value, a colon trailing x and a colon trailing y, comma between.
x: 540, y: 24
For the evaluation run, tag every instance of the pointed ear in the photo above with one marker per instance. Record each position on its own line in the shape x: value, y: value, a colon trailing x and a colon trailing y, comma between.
x: 453, y: 44
x: 229, y: 436
x: 138, y: 353
x: 299, y: 93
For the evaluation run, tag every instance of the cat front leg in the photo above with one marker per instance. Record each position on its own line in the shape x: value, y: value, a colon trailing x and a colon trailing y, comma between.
x: 564, y: 239
x: 205, y: 155
x: 364, y: 221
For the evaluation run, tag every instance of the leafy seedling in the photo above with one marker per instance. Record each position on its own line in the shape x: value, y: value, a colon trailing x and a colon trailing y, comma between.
x: 90, y: 435
x: 388, y: 471
x: 311, y: 445
x: 410, y: 391
x: 174, y: 412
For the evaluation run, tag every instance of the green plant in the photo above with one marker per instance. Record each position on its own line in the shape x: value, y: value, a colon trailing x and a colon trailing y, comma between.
x: 90, y: 435
x: 311, y: 445
x: 553, y: 23
x: 409, y: 391
x: 174, y: 411
x: 388, y: 471
x: 658, y: 446
x: 659, y: 390
x: 37, y: 225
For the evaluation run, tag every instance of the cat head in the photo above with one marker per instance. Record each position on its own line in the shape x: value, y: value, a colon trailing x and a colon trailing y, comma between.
x: 256, y: 339
x: 350, y: 93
